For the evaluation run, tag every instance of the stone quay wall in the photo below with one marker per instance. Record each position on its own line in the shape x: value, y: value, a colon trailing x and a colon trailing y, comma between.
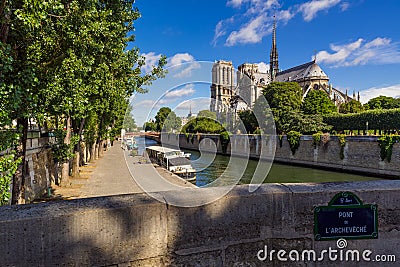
x: 136, y: 230
x: 41, y: 169
x: 361, y: 153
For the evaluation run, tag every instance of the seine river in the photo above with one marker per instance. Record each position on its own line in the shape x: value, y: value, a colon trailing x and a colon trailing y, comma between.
x: 279, y: 173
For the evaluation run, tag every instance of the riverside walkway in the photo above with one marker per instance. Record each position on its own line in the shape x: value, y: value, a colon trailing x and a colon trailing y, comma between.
x: 110, y: 175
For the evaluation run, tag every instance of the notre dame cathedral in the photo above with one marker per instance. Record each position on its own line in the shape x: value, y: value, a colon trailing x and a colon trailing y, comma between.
x: 228, y: 93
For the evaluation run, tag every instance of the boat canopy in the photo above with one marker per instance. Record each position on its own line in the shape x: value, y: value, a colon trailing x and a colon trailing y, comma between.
x: 178, y: 161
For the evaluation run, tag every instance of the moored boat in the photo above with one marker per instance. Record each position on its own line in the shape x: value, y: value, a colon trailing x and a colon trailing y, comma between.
x: 174, y: 160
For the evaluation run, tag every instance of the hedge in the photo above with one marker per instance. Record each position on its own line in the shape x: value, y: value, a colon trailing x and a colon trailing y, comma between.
x: 388, y: 119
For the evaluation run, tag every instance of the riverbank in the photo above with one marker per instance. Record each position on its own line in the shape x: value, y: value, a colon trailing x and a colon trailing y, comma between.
x: 110, y: 175
x: 356, y: 154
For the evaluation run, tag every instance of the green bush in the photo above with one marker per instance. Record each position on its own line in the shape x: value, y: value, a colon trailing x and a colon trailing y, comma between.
x: 316, y: 139
x: 293, y: 138
x: 342, y: 142
x: 225, y: 139
x: 386, y: 143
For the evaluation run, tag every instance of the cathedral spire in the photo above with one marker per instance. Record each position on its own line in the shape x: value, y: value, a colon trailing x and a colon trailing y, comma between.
x: 273, y: 57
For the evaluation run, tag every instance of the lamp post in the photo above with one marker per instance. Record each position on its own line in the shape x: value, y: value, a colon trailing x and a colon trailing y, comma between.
x: 366, y: 126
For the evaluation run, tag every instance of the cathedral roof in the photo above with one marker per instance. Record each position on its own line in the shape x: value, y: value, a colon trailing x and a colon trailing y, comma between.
x: 307, y: 70
x: 314, y: 71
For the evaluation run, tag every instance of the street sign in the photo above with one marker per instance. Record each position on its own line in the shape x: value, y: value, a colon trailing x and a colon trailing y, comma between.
x: 346, y: 217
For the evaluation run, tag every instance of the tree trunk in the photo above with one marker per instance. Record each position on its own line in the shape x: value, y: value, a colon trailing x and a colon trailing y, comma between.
x: 82, y: 155
x: 57, y: 174
x: 18, y: 187
x: 101, y: 149
x: 65, y: 165
x: 75, y: 165
x: 96, y: 152
x: 93, y: 152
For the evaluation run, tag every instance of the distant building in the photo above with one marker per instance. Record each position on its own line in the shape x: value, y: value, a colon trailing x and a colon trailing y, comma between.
x: 190, y: 116
x: 250, y: 82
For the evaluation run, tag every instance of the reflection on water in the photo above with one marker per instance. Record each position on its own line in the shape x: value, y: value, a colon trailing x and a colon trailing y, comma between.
x: 279, y: 173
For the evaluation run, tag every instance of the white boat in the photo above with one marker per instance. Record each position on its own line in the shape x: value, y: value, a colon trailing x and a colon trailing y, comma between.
x: 174, y: 160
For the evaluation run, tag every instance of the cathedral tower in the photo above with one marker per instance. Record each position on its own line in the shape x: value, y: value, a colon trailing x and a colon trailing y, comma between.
x: 273, y: 57
x: 222, y: 87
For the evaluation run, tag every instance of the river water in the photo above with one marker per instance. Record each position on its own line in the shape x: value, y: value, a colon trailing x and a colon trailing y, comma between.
x: 212, y: 167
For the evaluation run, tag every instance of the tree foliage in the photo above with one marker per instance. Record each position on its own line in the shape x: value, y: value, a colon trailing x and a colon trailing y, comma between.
x: 166, y: 120
x: 383, y: 102
x: 129, y: 121
x: 203, y: 125
x: 284, y: 99
x: 303, y: 123
x: 249, y: 120
x: 207, y: 114
x: 353, y: 106
x: 317, y: 102
x: 69, y: 61
x: 283, y: 96
x: 149, y: 126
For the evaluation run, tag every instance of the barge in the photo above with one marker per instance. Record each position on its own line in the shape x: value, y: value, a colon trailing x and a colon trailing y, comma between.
x: 174, y: 160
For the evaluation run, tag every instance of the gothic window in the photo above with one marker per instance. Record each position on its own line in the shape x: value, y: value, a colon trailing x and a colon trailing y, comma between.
x: 223, y: 75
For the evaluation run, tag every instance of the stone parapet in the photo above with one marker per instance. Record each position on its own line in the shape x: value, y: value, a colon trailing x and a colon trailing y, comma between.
x: 136, y: 230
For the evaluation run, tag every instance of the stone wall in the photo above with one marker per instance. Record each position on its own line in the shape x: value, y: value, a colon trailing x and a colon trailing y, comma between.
x: 361, y: 154
x: 136, y: 230
x: 41, y: 171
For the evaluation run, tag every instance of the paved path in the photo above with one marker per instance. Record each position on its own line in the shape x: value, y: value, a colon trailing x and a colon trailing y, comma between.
x: 153, y: 178
x: 110, y: 176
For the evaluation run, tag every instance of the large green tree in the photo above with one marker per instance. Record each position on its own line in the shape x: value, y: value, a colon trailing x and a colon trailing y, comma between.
x: 203, y: 125
x: 249, y: 120
x: 353, y: 106
x: 68, y: 62
x: 283, y: 98
x: 166, y: 120
x: 317, y: 102
x: 383, y: 102
x: 129, y: 121
x: 303, y: 123
x: 149, y: 126
x: 207, y: 114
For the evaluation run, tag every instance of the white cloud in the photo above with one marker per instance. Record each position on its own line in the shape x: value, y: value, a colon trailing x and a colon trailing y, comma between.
x: 263, y: 67
x: 195, y: 104
x: 378, y: 51
x: 344, y: 6
x: 144, y: 103
x: 180, y: 58
x: 221, y: 29
x: 393, y: 91
x: 151, y: 60
x: 255, y: 17
x: 253, y: 32
x: 182, y: 64
x: 187, y: 90
x: 310, y: 9
x: 235, y: 3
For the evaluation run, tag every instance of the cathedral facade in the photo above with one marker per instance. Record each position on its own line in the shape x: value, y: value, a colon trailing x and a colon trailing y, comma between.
x: 239, y: 93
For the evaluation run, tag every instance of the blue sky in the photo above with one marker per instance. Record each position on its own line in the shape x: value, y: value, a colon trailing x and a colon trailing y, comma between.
x: 357, y: 42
